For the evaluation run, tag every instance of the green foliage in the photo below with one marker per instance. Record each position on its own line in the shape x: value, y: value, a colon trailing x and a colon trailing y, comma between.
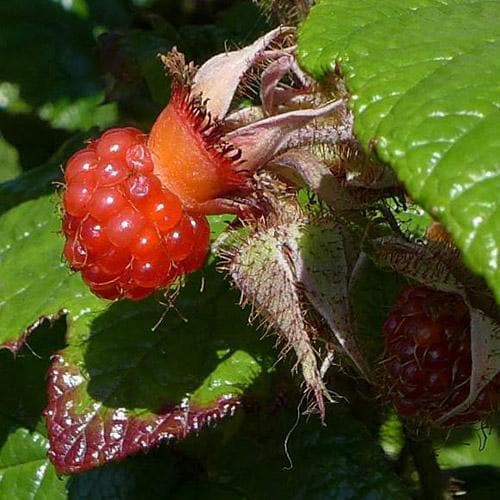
x: 49, y: 82
x: 130, y: 377
x: 25, y: 470
x: 9, y: 161
x: 423, y: 76
x: 269, y: 458
x: 469, y: 447
x: 42, y: 180
x: 35, y: 283
x: 136, y: 365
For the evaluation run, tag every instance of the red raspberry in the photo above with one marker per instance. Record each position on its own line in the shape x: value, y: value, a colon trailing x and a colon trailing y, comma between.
x: 125, y: 232
x: 428, y: 358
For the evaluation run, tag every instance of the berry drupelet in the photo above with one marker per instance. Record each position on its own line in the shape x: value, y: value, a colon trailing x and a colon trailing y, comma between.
x: 126, y: 232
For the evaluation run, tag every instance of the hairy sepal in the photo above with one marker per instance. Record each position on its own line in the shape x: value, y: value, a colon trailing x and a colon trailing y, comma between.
x: 316, y: 175
x: 264, y: 139
x: 321, y: 252
x: 232, y: 66
x: 286, y: 11
x: 294, y: 270
x: 265, y: 277
x: 439, y: 266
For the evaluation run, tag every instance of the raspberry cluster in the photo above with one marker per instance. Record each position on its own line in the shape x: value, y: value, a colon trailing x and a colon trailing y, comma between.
x: 428, y: 358
x: 125, y: 232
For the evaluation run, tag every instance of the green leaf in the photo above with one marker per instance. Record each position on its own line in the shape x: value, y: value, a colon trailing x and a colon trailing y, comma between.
x: 423, y: 76
x: 373, y: 293
x: 272, y: 455
x: 32, y: 184
x: 153, y: 476
x: 34, y: 281
x: 470, y: 446
x: 391, y: 436
x: 9, y: 161
x: 48, y: 63
x: 413, y: 220
x: 82, y: 114
x: 25, y: 471
x: 41, y: 180
x: 218, y: 224
x: 124, y: 385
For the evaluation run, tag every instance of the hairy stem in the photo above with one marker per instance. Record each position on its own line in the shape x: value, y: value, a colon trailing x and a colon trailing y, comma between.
x: 432, y: 483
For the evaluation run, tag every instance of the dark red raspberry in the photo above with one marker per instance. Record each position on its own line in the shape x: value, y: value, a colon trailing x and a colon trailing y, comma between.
x: 125, y: 232
x: 428, y: 358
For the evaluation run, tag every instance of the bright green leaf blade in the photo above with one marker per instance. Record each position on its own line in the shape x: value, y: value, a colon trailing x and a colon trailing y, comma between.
x: 81, y: 114
x: 9, y: 161
x: 25, y: 471
x: 424, y: 76
x: 218, y: 224
x: 470, y: 446
x: 391, y: 436
x: 34, y: 280
x: 43, y: 179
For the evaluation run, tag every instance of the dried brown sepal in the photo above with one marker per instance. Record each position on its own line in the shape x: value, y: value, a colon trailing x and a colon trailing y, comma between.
x: 437, y: 232
x: 236, y: 66
x: 182, y: 74
x: 300, y: 166
x: 435, y: 264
